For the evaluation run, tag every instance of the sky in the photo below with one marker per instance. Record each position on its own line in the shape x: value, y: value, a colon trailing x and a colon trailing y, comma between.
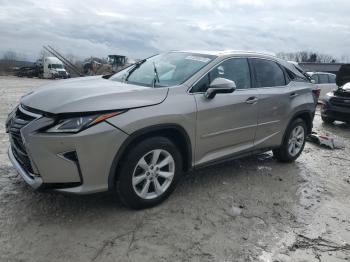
x: 139, y: 29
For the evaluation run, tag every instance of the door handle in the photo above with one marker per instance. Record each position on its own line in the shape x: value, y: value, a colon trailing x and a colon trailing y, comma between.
x: 292, y: 95
x: 252, y: 100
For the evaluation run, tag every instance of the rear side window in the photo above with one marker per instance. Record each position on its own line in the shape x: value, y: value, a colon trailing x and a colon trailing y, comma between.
x: 268, y: 73
x: 323, y: 79
x: 235, y: 69
x: 331, y: 79
x: 295, y: 77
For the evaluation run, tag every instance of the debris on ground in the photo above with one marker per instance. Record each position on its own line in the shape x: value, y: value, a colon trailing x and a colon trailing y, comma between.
x: 265, y: 157
x: 317, y: 244
x: 235, y: 211
x: 264, y: 168
x: 330, y: 142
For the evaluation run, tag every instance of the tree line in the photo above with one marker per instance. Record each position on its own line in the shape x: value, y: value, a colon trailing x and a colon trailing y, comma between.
x: 305, y: 56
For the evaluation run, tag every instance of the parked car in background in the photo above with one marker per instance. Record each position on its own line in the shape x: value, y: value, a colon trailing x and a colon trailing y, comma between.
x: 336, y: 104
x: 324, y: 81
x: 137, y: 131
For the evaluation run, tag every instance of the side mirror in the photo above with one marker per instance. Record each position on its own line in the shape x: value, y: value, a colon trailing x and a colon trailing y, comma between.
x: 313, y: 81
x: 220, y: 86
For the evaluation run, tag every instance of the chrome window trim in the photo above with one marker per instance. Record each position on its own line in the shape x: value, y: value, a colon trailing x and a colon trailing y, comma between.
x: 232, y: 57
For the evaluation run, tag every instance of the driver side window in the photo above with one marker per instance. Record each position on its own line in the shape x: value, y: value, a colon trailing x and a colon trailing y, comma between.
x: 235, y: 69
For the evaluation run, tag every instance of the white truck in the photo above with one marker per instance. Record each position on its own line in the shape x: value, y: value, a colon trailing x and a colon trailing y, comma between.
x: 53, y: 68
x: 48, y: 67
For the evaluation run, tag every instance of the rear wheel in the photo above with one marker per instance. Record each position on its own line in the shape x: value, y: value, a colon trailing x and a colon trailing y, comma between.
x: 327, y: 119
x: 150, y: 173
x: 293, y: 142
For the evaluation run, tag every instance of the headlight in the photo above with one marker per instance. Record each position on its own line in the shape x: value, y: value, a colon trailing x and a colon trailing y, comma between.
x: 77, y: 124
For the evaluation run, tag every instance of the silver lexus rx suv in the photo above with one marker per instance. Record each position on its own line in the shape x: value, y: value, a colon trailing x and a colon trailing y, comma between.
x: 136, y: 131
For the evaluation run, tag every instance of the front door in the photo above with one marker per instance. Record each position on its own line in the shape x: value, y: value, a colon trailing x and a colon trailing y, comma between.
x: 227, y: 123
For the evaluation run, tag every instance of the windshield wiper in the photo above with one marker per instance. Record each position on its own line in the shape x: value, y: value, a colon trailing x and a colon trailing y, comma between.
x: 137, y: 65
x: 156, y: 75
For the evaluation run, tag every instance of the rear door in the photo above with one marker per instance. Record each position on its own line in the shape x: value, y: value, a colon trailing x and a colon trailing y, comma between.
x: 274, y: 104
x: 227, y: 123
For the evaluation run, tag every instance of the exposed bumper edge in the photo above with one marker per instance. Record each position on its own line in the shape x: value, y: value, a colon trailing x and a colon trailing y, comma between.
x: 32, y: 180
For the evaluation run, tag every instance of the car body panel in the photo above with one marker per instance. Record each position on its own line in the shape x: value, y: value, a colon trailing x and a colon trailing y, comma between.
x: 226, y: 125
x: 47, y: 155
x: 273, y: 107
x: 85, y: 95
x: 178, y: 109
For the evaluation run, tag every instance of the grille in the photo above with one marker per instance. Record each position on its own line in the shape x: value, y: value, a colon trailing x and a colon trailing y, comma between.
x: 337, y: 101
x: 19, y: 120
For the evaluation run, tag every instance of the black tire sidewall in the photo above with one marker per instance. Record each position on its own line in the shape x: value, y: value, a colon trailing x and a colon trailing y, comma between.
x: 124, y: 176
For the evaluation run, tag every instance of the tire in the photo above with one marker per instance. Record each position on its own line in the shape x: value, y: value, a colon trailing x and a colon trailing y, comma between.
x: 135, y: 174
x: 327, y: 120
x: 285, y: 152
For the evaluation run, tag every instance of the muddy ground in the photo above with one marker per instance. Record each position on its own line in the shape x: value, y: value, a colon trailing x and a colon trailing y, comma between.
x: 253, y: 209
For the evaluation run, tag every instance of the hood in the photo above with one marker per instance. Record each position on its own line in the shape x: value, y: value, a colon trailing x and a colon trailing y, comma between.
x: 91, y: 94
x: 343, y: 75
x: 346, y: 87
x: 343, y: 91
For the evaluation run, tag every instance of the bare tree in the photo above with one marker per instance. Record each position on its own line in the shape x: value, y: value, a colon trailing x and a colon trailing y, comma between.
x: 305, y: 56
x: 10, y: 56
x: 345, y: 59
x: 8, y: 60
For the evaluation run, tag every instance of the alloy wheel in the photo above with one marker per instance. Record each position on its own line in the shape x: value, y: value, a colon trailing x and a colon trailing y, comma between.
x: 296, y: 140
x: 153, y: 174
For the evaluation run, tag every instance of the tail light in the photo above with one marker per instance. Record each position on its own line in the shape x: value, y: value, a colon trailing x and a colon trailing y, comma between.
x: 317, y: 92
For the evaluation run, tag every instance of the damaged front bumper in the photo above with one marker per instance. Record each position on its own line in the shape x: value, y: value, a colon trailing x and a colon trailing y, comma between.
x: 73, y: 163
x: 31, y: 179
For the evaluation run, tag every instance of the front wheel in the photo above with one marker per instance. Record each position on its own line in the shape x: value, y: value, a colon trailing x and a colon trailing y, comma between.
x: 293, y: 142
x: 149, y: 173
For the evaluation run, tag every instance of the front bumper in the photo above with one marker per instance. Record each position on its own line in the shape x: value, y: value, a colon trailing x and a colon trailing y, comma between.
x: 335, y: 112
x: 31, y: 179
x: 73, y: 163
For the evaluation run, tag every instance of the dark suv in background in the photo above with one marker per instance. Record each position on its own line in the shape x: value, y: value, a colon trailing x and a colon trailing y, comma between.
x: 336, y: 104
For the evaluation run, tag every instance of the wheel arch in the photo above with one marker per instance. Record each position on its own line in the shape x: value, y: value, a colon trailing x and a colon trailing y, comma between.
x: 306, y: 116
x: 174, y: 132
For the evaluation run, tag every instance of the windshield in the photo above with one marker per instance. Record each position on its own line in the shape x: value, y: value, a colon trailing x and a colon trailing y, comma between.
x: 163, y: 70
x: 56, y: 66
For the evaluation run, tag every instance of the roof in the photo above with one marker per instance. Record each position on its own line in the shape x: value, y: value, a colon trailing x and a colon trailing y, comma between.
x: 227, y: 52
x: 325, y: 73
x: 320, y: 63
